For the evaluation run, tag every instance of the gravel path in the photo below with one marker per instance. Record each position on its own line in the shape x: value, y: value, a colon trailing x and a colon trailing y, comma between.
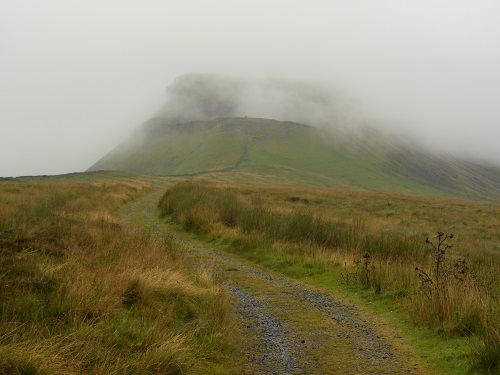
x: 293, y: 328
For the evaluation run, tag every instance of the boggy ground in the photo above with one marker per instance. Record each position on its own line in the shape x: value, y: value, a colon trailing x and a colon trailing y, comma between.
x: 287, y: 327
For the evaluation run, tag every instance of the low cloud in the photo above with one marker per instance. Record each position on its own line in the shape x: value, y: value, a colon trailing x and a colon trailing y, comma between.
x: 198, y: 96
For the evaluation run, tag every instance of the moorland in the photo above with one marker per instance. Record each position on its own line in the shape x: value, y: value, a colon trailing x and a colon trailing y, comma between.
x: 86, y: 291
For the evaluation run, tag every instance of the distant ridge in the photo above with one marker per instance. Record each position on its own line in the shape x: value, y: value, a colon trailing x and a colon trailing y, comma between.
x: 297, y: 154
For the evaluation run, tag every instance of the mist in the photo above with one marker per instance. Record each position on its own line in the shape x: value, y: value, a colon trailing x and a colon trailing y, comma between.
x: 201, y: 96
x: 78, y: 77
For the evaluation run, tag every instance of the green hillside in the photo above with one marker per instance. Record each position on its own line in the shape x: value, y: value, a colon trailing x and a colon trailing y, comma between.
x: 298, y: 154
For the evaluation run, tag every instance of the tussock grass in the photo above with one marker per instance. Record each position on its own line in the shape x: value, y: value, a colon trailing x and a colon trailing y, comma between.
x: 371, y: 241
x: 80, y: 294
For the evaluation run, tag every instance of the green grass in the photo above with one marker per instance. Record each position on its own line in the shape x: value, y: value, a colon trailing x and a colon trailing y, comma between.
x: 178, y: 153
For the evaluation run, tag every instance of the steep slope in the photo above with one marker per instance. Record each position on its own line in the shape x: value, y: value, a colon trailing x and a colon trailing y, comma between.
x: 297, y: 153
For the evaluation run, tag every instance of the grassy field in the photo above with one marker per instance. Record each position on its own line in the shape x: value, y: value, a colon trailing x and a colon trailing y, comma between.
x: 81, y: 294
x: 385, y: 246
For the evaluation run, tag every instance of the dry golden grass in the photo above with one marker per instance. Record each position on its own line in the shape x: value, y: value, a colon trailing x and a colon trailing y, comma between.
x: 80, y: 294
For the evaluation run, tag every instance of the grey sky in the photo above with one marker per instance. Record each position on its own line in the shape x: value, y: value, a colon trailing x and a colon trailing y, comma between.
x: 77, y: 76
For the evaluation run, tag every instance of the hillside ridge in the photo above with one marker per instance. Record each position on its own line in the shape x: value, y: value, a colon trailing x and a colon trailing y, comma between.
x: 298, y: 154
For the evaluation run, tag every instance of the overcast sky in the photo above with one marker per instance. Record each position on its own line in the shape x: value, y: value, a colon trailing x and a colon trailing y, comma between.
x: 77, y: 76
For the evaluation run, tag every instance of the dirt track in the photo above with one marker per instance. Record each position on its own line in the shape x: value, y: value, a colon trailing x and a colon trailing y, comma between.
x: 289, y: 327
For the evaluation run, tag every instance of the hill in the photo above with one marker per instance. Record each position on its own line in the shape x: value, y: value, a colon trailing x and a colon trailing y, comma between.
x: 293, y: 153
